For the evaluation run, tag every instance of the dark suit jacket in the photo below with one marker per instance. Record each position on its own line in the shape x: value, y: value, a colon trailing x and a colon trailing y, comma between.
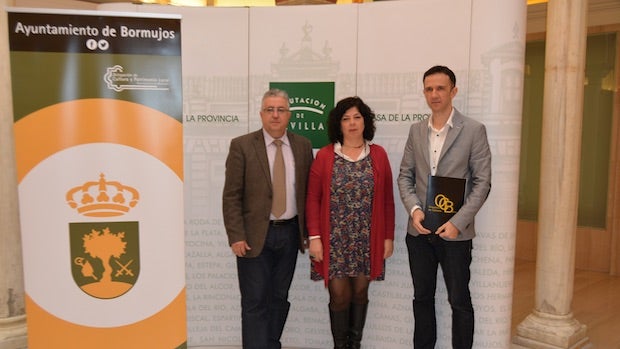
x: 465, y: 154
x: 246, y: 201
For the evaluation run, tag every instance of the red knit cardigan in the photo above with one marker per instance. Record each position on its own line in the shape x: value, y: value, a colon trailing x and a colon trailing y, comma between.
x: 318, y: 208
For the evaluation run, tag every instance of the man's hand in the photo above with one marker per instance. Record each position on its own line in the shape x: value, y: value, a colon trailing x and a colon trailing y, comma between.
x: 417, y: 219
x: 239, y: 248
x: 448, y: 231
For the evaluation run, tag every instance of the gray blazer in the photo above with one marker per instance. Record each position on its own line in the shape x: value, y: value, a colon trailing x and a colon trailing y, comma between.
x: 246, y: 200
x: 465, y: 154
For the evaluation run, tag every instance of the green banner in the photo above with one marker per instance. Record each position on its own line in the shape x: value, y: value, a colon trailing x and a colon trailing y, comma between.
x: 310, y: 103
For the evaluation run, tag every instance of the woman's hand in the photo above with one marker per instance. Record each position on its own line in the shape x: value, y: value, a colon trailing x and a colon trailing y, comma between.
x: 388, y: 248
x: 316, y: 250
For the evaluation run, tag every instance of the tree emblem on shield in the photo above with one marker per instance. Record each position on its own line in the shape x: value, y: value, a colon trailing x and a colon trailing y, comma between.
x: 105, y: 260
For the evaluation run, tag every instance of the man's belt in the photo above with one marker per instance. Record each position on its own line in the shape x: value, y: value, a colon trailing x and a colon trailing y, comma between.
x: 277, y: 222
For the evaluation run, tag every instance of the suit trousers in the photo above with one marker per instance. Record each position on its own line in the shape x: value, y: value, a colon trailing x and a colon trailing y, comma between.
x: 426, y: 253
x: 264, y: 282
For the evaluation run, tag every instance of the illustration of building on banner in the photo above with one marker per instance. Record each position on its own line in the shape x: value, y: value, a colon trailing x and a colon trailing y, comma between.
x: 305, y: 63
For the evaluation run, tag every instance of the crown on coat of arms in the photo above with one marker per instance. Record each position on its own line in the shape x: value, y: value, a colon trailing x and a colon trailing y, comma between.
x: 102, y: 198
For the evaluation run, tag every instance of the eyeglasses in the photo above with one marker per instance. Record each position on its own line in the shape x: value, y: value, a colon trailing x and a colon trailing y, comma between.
x: 272, y: 110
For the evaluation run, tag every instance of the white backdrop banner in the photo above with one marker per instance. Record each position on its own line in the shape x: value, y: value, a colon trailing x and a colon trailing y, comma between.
x: 378, y: 51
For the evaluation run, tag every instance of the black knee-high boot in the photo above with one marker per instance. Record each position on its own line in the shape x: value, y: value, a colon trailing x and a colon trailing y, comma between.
x: 356, y: 324
x: 339, y: 321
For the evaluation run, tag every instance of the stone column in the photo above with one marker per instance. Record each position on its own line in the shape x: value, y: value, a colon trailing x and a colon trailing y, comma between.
x: 551, y: 324
x: 12, y: 314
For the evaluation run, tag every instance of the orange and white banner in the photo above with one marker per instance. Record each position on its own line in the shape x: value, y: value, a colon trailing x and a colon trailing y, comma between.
x: 99, y: 152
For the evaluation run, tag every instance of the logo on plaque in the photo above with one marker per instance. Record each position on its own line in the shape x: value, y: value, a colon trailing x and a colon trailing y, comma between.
x: 442, y: 204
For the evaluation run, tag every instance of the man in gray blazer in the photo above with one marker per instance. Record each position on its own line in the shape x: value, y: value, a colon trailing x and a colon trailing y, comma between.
x: 448, y: 144
x: 265, y: 242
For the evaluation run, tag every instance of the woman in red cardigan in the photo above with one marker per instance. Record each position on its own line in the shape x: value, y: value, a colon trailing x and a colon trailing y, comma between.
x: 350, y: 217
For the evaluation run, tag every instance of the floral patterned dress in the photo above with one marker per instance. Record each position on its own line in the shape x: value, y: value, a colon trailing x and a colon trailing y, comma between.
x: 351, y: 197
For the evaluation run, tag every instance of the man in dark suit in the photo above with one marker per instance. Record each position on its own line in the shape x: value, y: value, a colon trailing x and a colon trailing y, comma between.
x: 448, y: 144
x: 264, y: 237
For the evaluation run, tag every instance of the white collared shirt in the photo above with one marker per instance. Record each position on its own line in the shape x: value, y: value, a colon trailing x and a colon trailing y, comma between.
x: 289, y: 166
x: 436, y: 139
x: 365, y: 151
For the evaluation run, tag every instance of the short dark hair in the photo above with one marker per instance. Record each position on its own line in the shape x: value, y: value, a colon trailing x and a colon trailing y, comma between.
x: 334, y: 131
x: 443, y: 70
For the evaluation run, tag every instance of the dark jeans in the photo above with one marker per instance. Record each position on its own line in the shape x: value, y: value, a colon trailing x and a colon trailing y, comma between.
x: 264, y: 283
x: 426, y: 253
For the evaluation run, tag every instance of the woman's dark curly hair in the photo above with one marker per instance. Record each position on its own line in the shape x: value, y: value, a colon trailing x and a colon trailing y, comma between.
x: 334, y: 131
